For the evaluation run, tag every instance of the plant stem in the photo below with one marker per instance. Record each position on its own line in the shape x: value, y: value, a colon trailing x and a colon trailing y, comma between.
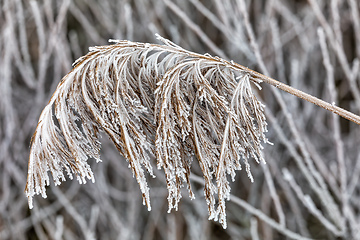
x: 331, y: 107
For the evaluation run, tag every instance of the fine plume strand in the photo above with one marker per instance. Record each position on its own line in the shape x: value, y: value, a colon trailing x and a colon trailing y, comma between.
x: 157, y: 102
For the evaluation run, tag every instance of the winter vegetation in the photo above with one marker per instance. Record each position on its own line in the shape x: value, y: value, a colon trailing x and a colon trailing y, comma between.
x: 181, y: 116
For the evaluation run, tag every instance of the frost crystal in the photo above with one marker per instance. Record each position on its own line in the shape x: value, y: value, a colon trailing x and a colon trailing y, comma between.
x: 191, y: 104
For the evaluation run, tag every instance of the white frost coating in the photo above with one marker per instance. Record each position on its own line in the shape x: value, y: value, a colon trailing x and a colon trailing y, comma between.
x: 49, y: 149
x: 156, y: 100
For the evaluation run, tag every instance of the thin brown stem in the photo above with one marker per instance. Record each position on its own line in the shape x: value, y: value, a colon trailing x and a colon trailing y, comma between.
x: 331, y: 107
x: 321, y: 103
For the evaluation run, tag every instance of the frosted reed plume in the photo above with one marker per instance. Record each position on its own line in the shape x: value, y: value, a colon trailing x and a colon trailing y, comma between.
x: 152, y: 101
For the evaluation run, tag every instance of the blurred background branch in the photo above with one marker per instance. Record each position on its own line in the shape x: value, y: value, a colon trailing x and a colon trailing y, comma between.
x: 309, y: 186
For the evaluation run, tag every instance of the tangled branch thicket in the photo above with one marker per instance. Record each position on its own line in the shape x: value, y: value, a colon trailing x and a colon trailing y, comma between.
x: 307, y: 190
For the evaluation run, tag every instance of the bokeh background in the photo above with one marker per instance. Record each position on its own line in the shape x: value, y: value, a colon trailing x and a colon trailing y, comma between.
x: 309, y: 186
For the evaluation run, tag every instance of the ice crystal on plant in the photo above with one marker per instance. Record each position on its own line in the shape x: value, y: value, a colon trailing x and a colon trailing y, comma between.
x: 150, y: 99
